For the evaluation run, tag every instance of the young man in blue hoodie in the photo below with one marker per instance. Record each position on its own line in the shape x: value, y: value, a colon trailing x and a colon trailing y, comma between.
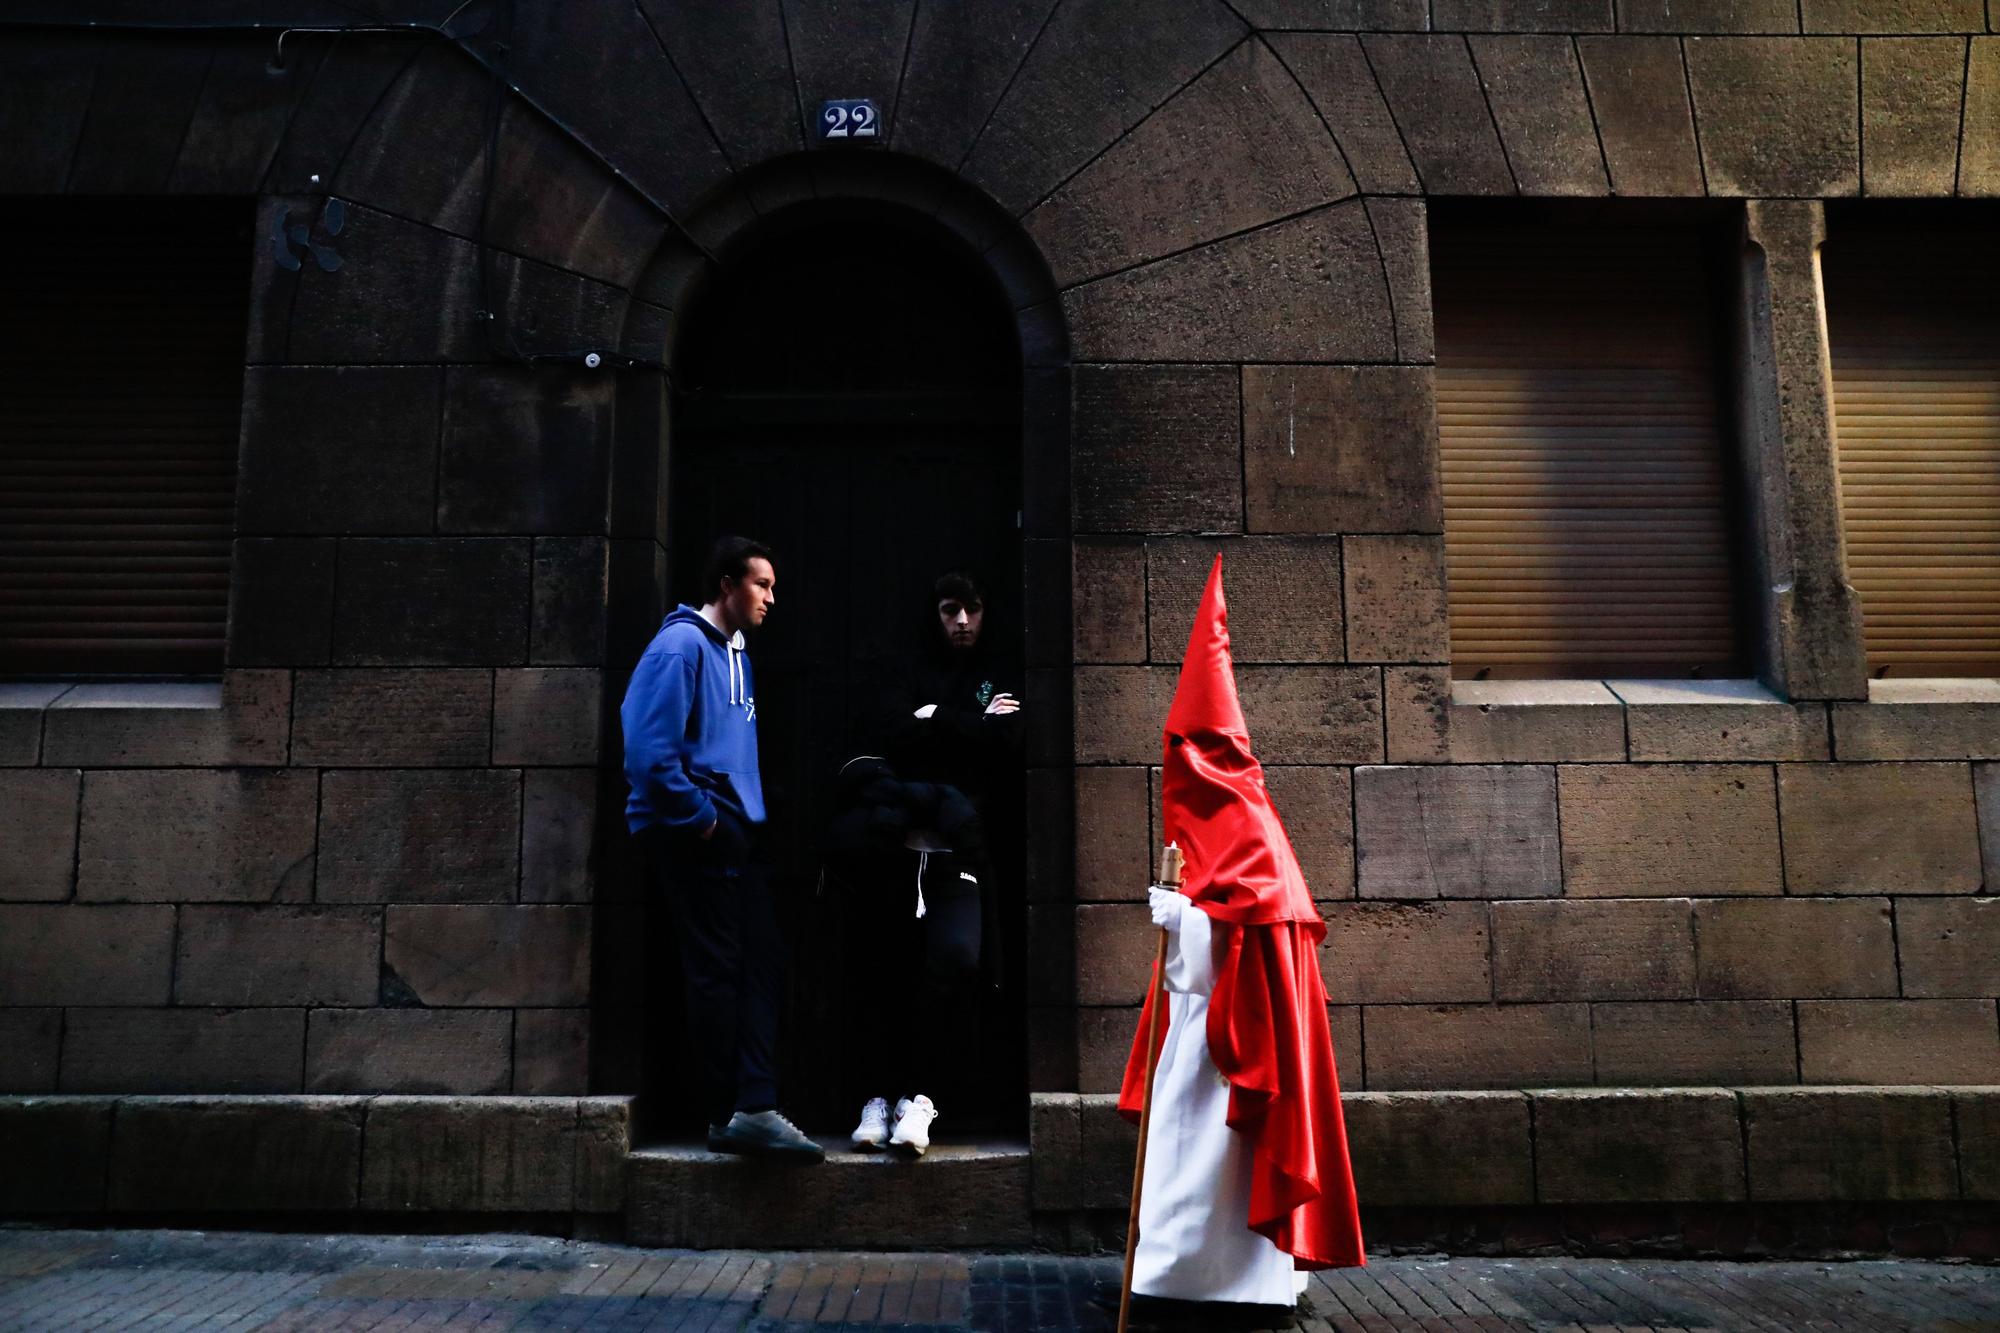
x: 697, y: 805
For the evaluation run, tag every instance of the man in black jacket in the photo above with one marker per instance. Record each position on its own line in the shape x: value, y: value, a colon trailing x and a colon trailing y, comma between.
x: 912, y: 847
x: 951, y: 714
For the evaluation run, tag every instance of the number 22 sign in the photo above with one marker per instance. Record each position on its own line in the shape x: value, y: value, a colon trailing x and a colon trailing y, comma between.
x: 852, y: 118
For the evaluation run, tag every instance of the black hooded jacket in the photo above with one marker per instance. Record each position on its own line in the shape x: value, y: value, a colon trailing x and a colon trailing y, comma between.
x: 877, y: 810
x: 959, y: 744
x: 866, y: 856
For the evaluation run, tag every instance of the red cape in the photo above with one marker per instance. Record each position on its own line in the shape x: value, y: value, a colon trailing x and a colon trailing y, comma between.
x: 1267, y: 1028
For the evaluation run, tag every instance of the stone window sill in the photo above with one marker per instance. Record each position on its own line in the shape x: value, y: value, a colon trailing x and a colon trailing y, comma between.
x: 1936, y: 718
x: 1630, y: 720
x: 115, y: 694
x: 34, y: 696
x: 1935, y: 690
x: 241, y: 719
x: 1614, y: 691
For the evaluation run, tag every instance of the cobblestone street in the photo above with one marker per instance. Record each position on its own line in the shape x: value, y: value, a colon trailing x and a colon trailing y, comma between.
x: 173, y: 1280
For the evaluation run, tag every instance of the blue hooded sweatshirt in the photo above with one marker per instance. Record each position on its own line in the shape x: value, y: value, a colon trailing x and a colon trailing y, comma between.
x: 690, y: 718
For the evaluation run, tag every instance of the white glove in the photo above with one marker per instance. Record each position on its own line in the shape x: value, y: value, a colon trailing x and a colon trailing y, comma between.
x: 1167, y: 905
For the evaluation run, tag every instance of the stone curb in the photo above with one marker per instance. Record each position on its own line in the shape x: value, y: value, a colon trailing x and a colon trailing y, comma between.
x: 222, y: 1154
x: 1598, y: 1146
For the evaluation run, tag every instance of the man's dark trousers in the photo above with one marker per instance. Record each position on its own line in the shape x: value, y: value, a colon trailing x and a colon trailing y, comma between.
x: 727, y: 925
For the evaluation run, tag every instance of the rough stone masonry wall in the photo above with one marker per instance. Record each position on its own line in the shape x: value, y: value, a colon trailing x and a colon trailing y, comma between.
x: 362, y: 863
x: 1569, y: 883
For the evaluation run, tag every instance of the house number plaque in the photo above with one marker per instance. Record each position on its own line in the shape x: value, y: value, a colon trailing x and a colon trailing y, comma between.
x: 849, y: 118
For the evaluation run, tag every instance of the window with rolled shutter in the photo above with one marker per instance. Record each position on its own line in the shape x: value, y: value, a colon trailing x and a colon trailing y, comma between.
x: 1587, y: 501
x: 1913, y: 325
x: 122, y: 327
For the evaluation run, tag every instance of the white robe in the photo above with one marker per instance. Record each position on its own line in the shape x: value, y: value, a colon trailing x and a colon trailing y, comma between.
x: 1195, y: 1241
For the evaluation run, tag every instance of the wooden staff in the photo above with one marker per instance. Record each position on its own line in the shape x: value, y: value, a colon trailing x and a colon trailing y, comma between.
x: 1170, y: 877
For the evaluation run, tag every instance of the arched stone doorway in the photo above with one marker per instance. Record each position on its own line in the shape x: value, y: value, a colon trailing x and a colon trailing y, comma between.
x: 869, y: 373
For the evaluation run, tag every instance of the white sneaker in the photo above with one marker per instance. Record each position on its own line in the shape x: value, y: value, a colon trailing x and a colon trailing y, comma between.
x: 873, y: 1131
x: 913, y: 1124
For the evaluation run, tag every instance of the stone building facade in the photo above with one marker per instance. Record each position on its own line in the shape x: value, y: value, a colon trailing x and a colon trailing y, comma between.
x: 1613, y: 942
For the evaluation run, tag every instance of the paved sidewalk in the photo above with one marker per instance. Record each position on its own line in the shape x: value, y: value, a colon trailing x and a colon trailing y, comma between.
x: 183, y: 1280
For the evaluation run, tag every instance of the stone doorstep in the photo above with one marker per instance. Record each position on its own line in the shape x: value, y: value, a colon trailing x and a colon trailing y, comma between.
x: 956, y: 1196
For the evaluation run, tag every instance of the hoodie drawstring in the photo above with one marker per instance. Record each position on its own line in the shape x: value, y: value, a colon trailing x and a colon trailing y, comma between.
x: 923, y: 864
x: 739, y: 692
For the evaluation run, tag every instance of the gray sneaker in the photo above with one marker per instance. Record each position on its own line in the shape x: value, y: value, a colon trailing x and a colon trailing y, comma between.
x: 763, y: 1134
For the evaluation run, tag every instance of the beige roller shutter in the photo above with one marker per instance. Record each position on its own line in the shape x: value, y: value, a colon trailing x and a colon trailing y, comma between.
x: 1913, y: 319
x: 1587, y: 527
x: 122, y: 325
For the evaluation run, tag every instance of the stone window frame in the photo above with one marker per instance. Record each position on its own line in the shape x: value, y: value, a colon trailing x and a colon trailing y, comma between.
x: 108, y: 719
x: 156, y: 685
x: 1811, y: 697
x: 1803, y: 634
x: 241, y: 720
x: 1910, y: 216
x: 1624, y: 226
